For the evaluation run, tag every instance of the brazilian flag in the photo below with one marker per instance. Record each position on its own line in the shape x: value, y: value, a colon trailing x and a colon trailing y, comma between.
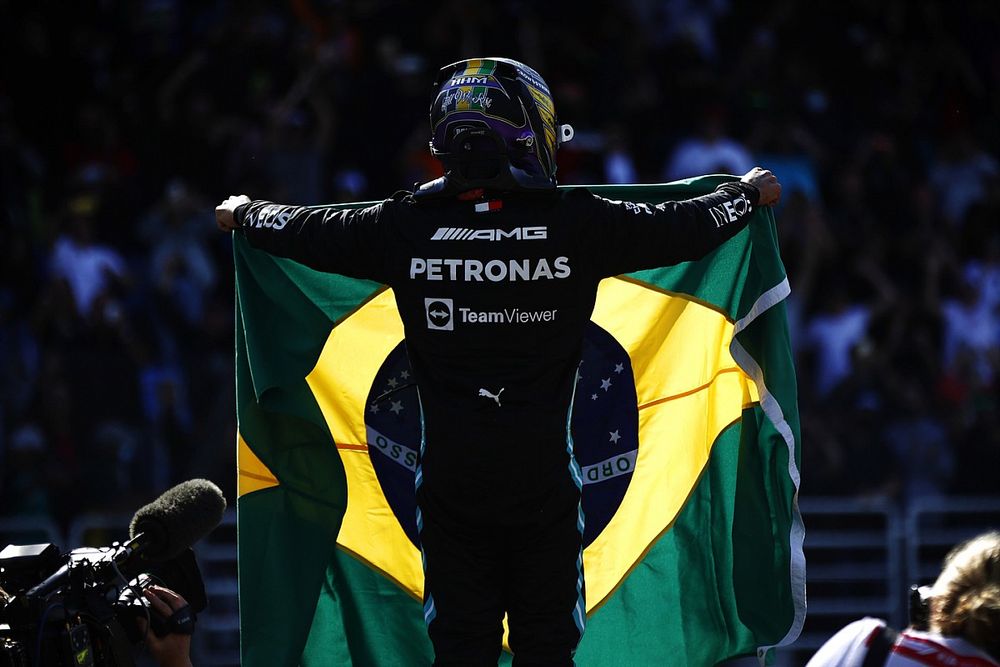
x: 685, y: 428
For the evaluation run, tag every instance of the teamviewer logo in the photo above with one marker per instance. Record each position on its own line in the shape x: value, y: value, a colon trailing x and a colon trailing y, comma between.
x: 440, y: 314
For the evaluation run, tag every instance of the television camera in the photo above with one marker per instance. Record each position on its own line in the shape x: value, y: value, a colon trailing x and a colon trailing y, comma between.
x: 82, y: 608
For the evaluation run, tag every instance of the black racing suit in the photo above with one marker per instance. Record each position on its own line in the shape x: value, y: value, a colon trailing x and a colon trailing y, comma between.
x: 494, y: 295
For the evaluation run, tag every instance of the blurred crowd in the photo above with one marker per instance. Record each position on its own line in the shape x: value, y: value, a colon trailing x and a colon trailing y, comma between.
x: 123, y: 124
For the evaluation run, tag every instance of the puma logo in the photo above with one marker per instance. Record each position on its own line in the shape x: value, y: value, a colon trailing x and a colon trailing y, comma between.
x: 489, y: 394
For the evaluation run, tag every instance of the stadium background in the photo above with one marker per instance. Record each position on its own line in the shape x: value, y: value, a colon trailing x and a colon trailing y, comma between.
x: 123, y: 124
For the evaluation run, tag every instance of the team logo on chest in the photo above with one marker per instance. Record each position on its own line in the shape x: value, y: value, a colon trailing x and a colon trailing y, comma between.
x: 479, y: 234
x: 493, y: 270
x: 440, y: 314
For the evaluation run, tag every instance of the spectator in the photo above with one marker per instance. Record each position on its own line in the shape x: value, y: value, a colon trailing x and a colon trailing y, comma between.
x: 709, y: 152
x: 619, y: 167
x: 971, y: 328
x: 916, y: 434
x: 26, y: 489
x: 88, y: 268
x: 961, y: 175
x: 182, y: 269
x: 843, y: 323
x: 965, y: 301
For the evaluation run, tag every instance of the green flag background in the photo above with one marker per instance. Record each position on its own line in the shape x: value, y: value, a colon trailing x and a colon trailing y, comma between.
x: 725, y: 578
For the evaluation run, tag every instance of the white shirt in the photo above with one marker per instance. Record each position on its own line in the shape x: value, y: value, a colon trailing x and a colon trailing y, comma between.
x: 849, y: 647
x: 961, y: 184
x: 971, y: 327
x: 987, y: 276
x: 86, y: 269
x: 695, y: 157
x: 834, y: 336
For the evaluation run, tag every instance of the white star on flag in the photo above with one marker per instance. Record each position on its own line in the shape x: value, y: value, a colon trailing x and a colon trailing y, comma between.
x: 606, y: 384
x: 405, y: 375
x: 593, y: 397
x: 393, y: 382
x: 374, y: 408
x: 615, y: 437
x: 619, y: 368
x: 397, y: 407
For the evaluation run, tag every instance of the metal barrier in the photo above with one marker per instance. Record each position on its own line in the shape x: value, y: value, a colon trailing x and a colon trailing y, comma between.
x: 217, y: 640
x: 934, y: 526
x: 861, y: 558
x: 853, y: 566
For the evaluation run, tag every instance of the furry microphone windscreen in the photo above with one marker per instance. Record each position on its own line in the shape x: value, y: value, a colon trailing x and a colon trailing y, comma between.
x: 177, y: 519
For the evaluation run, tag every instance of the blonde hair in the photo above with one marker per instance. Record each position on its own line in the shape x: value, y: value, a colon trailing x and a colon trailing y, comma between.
x: 965, y: 599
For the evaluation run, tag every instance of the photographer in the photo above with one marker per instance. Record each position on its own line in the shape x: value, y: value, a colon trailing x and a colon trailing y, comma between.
x: 95, y: 605
x: 174, y: 649
x: 956, y: 624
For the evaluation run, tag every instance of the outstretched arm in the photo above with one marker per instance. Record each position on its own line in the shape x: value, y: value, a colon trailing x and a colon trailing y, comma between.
x: 348, y: 241
x: 625, y: 236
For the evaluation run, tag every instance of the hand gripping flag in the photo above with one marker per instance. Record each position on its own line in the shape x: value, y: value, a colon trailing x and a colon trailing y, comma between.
x: 685, y: 428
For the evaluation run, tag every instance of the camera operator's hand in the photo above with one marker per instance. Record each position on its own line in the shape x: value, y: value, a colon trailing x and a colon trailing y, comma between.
x: 173, y: 650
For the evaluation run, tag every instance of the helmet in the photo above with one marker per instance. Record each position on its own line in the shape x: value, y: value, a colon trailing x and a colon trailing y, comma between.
x: 493, y: 123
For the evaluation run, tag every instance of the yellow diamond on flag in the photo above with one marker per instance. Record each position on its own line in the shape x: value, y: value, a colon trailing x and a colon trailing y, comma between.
x: 687, y: 390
